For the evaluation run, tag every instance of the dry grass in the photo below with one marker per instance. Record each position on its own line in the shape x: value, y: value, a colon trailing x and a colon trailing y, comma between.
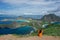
x: 11, y: 37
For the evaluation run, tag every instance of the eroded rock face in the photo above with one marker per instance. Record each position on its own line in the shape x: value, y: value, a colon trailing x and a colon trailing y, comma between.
x: 50, y: 18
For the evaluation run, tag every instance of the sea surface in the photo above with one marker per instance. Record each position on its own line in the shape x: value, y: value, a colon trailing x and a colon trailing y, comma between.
x: 5, y: 22
x: 20, y: 30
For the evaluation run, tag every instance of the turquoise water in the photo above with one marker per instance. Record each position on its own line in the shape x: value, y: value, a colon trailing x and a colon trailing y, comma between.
x: 20, y: 30
x: 56, y: 23
x: 5, y: 22
x: 24, y: 30
x: 20, y: 20
x: 11, y: 21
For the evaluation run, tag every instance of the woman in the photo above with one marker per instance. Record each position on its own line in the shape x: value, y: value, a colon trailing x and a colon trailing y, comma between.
x: 40, y: 33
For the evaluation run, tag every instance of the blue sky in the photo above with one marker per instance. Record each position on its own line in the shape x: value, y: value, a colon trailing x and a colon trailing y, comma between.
x: 29, y: 7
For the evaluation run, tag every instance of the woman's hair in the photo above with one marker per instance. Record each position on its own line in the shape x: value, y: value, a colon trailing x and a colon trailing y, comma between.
x: 40, y: 31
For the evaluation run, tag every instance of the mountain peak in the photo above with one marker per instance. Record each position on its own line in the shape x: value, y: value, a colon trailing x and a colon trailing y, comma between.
x: 50, y: 18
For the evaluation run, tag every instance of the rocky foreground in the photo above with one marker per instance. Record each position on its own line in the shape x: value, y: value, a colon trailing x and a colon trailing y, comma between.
x: 11, y: 37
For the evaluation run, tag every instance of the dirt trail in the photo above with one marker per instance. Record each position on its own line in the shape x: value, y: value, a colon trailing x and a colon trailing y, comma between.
x: 11, y: 37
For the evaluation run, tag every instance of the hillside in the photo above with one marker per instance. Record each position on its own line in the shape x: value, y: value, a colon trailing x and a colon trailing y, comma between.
x: 52, y: 30
x: 50, y: 18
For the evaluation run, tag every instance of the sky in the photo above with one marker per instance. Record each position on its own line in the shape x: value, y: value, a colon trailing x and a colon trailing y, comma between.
x: 29, y: 7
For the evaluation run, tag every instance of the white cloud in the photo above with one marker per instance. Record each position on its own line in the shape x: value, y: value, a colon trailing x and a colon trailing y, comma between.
x: 28, y: 14
x: 15, y: 1
x: 39, y: 3
x: 36, y: 7
x: 26, y: 11
x: 31, y: 2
